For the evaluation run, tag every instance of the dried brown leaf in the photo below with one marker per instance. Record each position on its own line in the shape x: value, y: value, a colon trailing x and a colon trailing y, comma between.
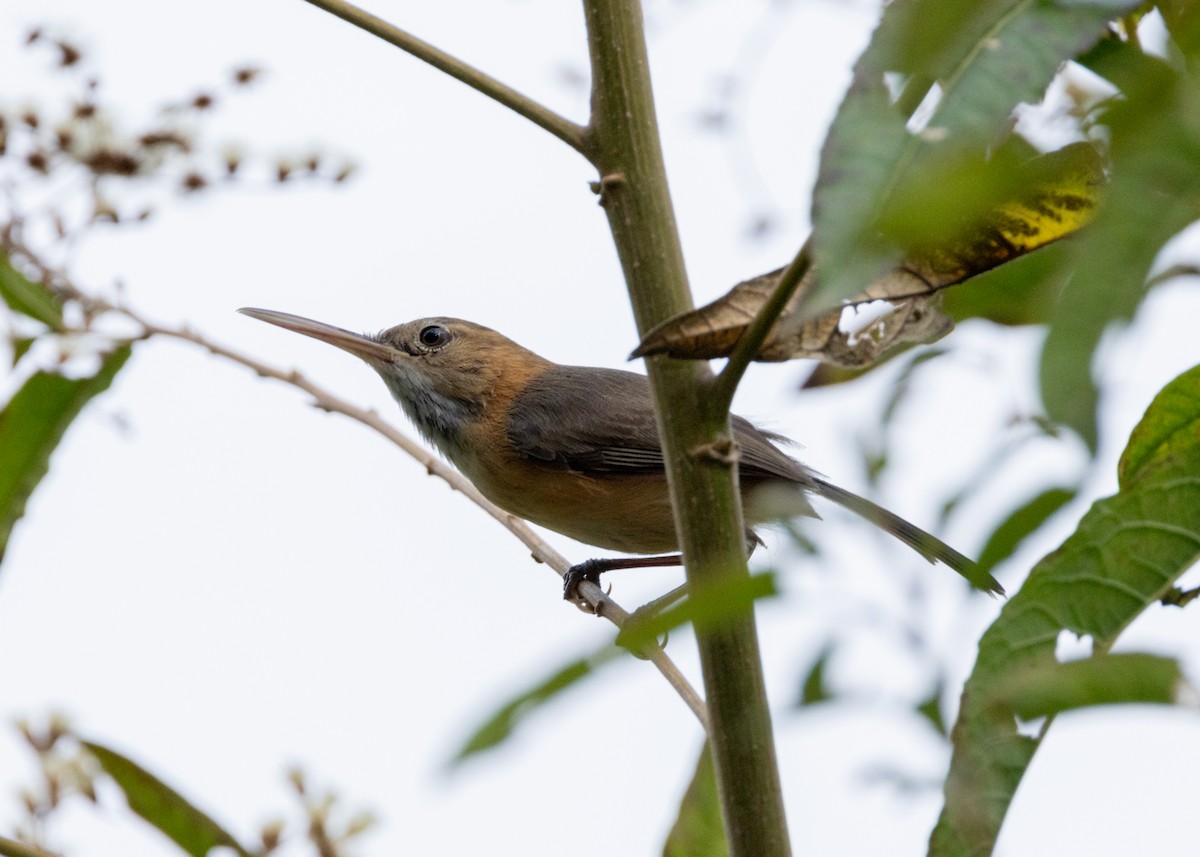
x: 1057, y: 196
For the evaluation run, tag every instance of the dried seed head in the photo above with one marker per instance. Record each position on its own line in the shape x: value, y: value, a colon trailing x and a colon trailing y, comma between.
x: 166, y: 138
x: 194, y: 181
x: 59, y: 726
x: 271, y: 835
x: 68, y: 54
x: 360, y: 824
x: 106, y: 161
x: 232, y: 157
x: 246, y: 75
x: 103, y: 211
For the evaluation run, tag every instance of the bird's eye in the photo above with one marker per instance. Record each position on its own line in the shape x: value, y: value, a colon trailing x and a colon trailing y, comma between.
x: 434, y: 336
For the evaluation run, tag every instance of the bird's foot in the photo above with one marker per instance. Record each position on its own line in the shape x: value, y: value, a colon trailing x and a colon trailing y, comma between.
x: 589, y: 570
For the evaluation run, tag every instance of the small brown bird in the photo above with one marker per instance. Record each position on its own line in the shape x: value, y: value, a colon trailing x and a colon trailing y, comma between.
x: 575, y: 448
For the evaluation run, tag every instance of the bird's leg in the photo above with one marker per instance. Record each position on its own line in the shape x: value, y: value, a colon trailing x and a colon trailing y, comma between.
x: 591, y: 569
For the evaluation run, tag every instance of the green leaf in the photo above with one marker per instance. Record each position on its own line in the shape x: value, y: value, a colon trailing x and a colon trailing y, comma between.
x: 814, y: 688
x: 1154, y: 193
x: 1182, y: 18
x: 509, y: 716
x: 699, y: 830
x: 1172, y: 421
x: 1126, y: 553
x: 1008, y: 51
x: 167, y: 810
x: 986, y: 57
x: 1016, y: 293
x: 931, y: 708
x: 713, y: 605
x: 718, y: 602
x: 862, y: 159
x: 27, y: 297
x: 21, y: 346
x: 10, y: 848
x: 1050, y: 689
x: 32, y: 424
x: 1020, y: 524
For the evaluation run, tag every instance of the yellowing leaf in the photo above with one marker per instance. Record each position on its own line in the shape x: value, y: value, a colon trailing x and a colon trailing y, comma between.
x: 1047, y: 199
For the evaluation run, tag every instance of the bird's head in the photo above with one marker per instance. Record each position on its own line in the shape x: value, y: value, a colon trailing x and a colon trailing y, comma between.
x: 442, y: 371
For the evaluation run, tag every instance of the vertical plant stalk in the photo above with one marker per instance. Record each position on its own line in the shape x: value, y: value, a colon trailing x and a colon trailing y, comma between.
x: 622, y: 141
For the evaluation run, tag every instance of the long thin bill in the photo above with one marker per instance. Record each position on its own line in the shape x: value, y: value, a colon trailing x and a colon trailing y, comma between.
x: 357, y: 344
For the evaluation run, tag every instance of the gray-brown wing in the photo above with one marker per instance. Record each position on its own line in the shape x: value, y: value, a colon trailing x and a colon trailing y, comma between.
x: 601, y: 421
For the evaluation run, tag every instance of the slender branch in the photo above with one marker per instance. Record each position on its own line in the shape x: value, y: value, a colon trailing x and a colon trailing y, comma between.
x: 756, y: 333
x: 600, y: 603
x: 569, y: 132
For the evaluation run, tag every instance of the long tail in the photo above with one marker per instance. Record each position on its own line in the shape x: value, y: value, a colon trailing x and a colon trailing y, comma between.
x: 928, y: 546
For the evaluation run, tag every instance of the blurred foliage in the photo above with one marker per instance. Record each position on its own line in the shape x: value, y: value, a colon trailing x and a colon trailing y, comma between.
x: 649, y: 626
x: 502, y: 723
x: 157, y: 803
x: 31, y: 425
x: 815, y: 688
x: 1050, y: 689
x: 698, y: 830
x: 1125, y: 555
x: 71, y: 768
x: 1023, y: 521
x: 103, y: 175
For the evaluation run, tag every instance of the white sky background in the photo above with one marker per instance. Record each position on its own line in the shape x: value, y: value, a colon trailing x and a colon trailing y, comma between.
x: 238, y: 582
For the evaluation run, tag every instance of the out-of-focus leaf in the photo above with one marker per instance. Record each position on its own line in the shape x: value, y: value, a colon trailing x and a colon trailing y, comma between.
x: 711, y: 605
x: 903, y: 383
x: 973, y: 482
x: 1020, y: 524
x: 698, y: 830
x: 27, y: 297
x: 167, y: 810
x: 985, y: 57
x: 32, y: 424
x: 11, y: 848
x: 1182, y: 18
x: 1019, y: 292
x: 497, y: 728
x: 1049, y: 689
x: 814, y: 689
x: 1032, y: 204
x: 20, y: 347
x: 1125, y: 554
x: 1172, y: 423
x: 1153, y: 195
x: 931, y: 708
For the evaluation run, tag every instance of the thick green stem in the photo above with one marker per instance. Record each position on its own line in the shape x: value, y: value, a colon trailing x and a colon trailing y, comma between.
x: 622, y: 141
